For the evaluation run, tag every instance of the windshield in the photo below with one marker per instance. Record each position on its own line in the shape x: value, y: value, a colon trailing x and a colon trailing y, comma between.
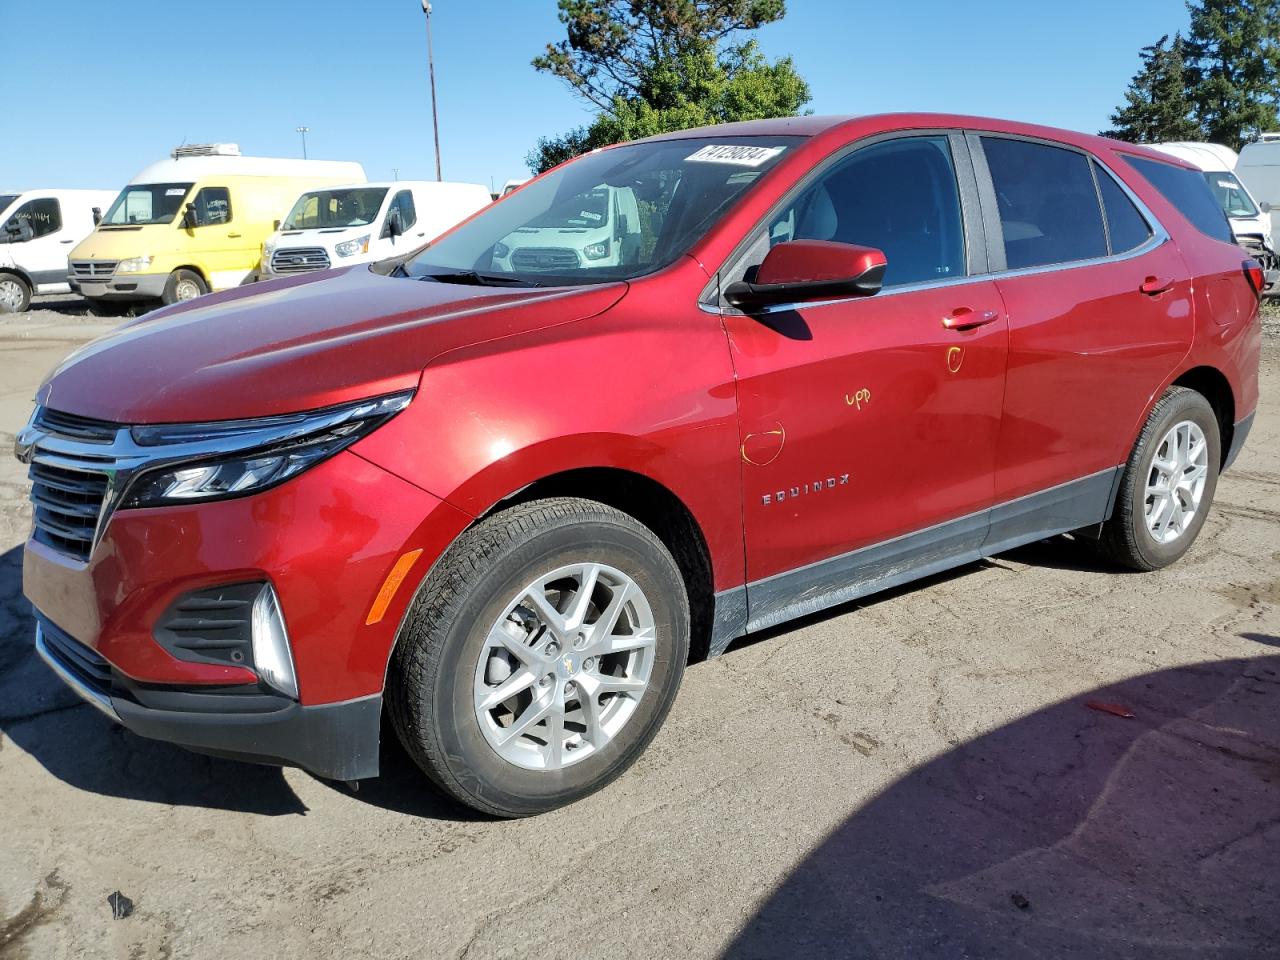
x: 1231, y: 194
x: 349, y: 207
x: 609, y: 215
x: 141, y: 203
x: 6, y: 199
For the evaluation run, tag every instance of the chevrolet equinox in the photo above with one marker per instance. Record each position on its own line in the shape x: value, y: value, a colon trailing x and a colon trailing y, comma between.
x: 495, y: 494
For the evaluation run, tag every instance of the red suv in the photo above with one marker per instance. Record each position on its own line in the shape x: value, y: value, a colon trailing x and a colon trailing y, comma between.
x: 503, y: 488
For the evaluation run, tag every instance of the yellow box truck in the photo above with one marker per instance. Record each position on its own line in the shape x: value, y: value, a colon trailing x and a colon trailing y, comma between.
x: 194, y: 223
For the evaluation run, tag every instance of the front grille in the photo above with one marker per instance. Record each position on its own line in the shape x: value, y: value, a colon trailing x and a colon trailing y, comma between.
x: 299, y: 260
x: 75, y: 428
x: 544, y: 258
x: 211, y: 625
x: 93, y: 269
x: 67, y: 505
x: 82, y: 662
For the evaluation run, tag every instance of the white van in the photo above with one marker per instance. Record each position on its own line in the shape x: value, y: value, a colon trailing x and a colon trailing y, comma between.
x: 38, y: 228
x: 600, y: 227
x: 360, y: 223
x: 1238, y: 203
x: 1259, y: 169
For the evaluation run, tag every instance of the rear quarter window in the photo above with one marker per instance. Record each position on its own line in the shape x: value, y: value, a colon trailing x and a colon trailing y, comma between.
x: 1126, y: 227
x: 1186, y: 190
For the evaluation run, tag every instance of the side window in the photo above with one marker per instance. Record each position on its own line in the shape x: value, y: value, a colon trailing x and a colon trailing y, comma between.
x: 899, y: 196
x: 1048, y: 204
x: 213, y: 206
x: 404, y: 203
x: 1186, y: 190
x: 1126, y: 227
x: 35, y: 218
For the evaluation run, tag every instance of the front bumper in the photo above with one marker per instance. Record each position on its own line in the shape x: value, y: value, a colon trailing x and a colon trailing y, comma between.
x: 334, y: 740
x: 124, y: 286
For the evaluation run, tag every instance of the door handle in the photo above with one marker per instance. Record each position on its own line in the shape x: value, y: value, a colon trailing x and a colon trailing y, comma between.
x: 964, y: 318
x: 1154, y: 286
x: 72, y: 240
x: 233, y: 236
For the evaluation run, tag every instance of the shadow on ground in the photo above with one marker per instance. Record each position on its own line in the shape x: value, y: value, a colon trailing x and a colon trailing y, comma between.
x: 1071, y: 832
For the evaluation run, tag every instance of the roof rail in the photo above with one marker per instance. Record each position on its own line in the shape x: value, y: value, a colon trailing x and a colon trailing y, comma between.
x: 1269, y: 137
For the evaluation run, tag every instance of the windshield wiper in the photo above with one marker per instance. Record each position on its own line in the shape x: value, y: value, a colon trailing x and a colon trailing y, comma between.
x: 474, y: 277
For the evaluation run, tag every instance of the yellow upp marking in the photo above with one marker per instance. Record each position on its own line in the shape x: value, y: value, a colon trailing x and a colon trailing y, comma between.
x: 859, y: 398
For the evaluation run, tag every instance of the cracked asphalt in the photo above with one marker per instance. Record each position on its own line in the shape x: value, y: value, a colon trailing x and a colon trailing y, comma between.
x: 917, y: 776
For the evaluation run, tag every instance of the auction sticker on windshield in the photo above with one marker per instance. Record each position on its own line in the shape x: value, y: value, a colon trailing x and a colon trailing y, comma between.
x: 742, y: 156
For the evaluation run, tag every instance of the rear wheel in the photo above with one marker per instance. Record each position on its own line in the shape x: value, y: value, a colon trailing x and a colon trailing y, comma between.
x: 15, y: 295
x: 1167, y: 485
x: 183, y: 285
x: 541, y: 656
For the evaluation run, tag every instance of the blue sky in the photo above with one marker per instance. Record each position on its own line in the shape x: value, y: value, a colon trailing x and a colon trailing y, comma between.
x: 96, y: 91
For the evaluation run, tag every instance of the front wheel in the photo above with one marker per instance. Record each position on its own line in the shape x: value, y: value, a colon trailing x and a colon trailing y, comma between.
x: 15, y: 295
x: 540, y: 657
x: 183, y: 285
x: 1167, y: 484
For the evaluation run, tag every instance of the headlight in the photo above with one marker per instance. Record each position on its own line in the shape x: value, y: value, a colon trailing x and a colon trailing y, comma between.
x: 268, y: 248
x: 268, y: 451
x: 501, y: 249
x: 596, y: 251
x: 349, y: 248
x: 133, y: 265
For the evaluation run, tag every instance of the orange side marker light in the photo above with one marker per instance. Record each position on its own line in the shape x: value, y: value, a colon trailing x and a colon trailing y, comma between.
x: 390, y: 586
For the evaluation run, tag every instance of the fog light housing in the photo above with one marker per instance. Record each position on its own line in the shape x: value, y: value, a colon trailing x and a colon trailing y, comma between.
x: 272, y: 656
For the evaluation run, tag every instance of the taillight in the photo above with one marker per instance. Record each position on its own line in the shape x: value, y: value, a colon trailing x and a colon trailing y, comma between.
x: 1253, y: 270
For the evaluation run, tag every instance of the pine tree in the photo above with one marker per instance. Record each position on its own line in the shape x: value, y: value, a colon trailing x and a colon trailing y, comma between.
x: 1234, y: 68
x: 1157, y: 108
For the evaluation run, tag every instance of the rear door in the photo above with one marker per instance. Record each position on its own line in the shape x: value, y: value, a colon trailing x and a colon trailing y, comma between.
x: 867, y: 419
x: 1100, y: 313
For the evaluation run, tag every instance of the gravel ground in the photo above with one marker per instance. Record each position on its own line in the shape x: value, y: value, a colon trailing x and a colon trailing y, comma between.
x: 916, y: 776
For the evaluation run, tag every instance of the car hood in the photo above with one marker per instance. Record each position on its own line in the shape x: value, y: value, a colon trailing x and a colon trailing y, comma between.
x: 296, y: 344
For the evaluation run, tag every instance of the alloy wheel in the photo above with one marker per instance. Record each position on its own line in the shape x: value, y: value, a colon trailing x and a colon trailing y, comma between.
x: 1175, y: 483
x: 565, y: 666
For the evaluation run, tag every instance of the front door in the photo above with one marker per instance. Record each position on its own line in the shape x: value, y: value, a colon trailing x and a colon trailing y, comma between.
x: 869, y: 426
x: 38, y: 244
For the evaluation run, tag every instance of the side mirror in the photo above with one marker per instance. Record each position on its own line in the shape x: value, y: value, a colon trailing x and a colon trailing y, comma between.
x: 275, y: 225
x: 189, y: 218
x: 97, y: 216
x: 810, y: 270
x: 1265, y: 206
x: 393, y: 228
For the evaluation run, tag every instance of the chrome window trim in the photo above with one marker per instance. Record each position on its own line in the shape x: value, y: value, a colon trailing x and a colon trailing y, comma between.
x: 1159, y: 237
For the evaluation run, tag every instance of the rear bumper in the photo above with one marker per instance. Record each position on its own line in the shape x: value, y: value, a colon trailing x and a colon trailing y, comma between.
x: 334, y: 740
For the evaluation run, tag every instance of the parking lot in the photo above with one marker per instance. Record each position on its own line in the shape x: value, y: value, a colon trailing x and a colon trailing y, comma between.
x: 1028, y: 757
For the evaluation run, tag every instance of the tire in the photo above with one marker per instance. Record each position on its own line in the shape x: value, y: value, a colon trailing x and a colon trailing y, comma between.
x: 1127, y: 538
x: 15, y: 293
x: 444, y: 659
x: 183, y: 285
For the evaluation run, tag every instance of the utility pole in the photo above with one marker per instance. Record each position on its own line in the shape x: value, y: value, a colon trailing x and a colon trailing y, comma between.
x: 431, y: 72
x: 304, y: 131
x: 395, y: 173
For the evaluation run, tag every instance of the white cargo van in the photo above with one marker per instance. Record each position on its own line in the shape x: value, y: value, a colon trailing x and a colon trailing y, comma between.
x: 1218, y: 163
x: 600, y: 227
x: 360, y: 223
x: 38, y: 228
x: 1259, y: 169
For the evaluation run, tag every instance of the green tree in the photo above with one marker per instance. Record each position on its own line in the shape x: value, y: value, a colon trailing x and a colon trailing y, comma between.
x: 1157, y: 107
x: 1233, y: 73
x: 653, y: 66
